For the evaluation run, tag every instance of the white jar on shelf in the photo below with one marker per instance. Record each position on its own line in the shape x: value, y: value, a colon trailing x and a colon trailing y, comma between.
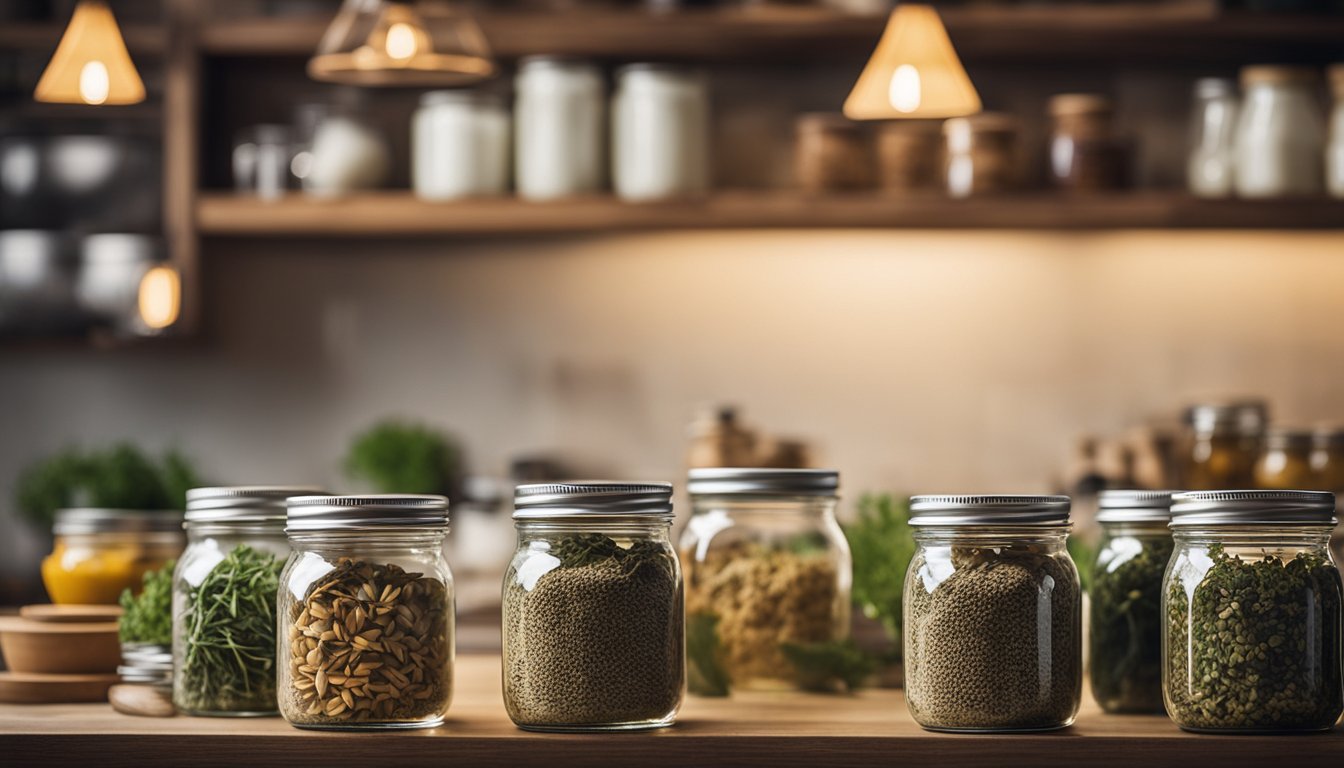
x: 1334, y: 153
x: 459, y: 146
x: 1213, y: 127
x: 559, y: 118
x: 660, y: 133
x: 1280, y: 134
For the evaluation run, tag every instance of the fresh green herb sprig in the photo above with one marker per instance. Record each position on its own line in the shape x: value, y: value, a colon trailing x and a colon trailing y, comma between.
x: 228, y: 654
x: 881, y: 545
x: 120, y: 477
x: 148, y: 617
x: 400, y: 457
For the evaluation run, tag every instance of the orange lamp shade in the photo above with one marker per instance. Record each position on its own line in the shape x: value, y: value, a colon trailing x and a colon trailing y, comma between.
x: 384, y: 43
x: 913, y: 73
x: 91, y: 64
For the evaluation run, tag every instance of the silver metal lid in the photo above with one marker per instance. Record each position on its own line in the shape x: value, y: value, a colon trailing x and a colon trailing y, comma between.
x: 83, y: 520
x: 592, y: 498
x: 243, y: 504
x: 1134, y: 506
x: 1289, y: 439
x: 1233, y: 416
x: 1201, y: 508
x: 729, y: 481
x: 1010, y: 509
x: 376, y: 511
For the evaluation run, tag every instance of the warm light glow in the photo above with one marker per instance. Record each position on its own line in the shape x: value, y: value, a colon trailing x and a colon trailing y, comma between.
x: 160, y: 298
x: 383, y: 43
x: 91, y: 64
x: 914, y: 72
x: 401, y: 41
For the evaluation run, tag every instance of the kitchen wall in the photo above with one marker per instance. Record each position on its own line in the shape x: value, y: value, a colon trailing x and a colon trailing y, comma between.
x: 918, y: 361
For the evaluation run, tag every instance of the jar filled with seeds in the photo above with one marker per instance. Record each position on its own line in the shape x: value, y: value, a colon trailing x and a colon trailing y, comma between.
x: 1251, y: 604
x: 1126, y: 591
x: 366, y: 613
x: 593, y: 632
x: 224, y: 590
x: 768, y: 578
x: 993, y: 637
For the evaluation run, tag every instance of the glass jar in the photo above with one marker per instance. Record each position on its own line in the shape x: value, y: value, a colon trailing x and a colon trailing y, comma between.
x: 1126, y: 592
x: 593, y: 607
x: 1285, y: 461
x: 1280, y: 135
x: 365, y: 613
x: 993, y: 628
x: 659, y: 133
x: 1252, y: 607
x: 1212, y: 128
x: 1221, y: 444
x: 1334, y: 151
x: 832, y: 153
x: 768, y: 577
x: 99, y: 553
x: 261, y: 159
x: 908, y: 155
x: 224, y: 660
x: 459, y: 146
x: 1085, y: 153
x: 1327, y: 464
x: 559, y: 132
x: 981, y: 154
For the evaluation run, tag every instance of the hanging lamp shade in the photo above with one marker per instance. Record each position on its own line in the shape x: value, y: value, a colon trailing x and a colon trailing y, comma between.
x: 913, y: 73
x: 159, y: 300
x: 91, y: 64
x: 382, y: 43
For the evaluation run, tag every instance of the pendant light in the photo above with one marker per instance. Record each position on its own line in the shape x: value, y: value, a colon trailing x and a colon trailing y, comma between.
x: 159, y: 299
x: 385, y: 43
x: 91, y: 65
x: 913, y: 73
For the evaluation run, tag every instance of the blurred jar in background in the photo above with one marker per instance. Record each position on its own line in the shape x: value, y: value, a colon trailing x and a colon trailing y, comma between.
x: 981, y: 154
x: 348, y: 155
x: 1280, y: 135
x: 659, y: 133
x: 908, y: 155
x: 718, y: 439
x: 482, y: 542
x: 112, y: 266
x: 261, y: 159
x: 1334, y: 163
x: 1222, y: 444
x: 558, y: 128
x: 97, y: 553
x: 1213, y: 124
x: 1327, y: 462
x: 459, y: 145
x: 832, y: 153
x: 1085, y: 153
x: 1285, y: 461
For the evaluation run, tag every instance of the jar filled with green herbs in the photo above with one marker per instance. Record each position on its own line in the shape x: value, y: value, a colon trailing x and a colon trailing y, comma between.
x: 1251, y: 606
x: 1126, y: 592
x: 993, y: 634
x: 593, y: 636
x: 224, y: 590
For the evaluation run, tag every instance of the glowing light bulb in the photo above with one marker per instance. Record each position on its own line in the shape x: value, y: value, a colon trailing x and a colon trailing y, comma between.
x: 904, y: 91
x: 160, y: 299
x: 94, y: 83
x: 401, y: 43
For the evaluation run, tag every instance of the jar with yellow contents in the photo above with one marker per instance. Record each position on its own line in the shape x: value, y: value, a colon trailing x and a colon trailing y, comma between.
x: 98, y: 553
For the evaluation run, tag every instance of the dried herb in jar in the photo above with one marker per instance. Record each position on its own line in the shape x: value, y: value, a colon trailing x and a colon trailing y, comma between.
x: 1126, y: 625
x: 227, y: 655
x: 369, y: 642
x: 147, y: 618
x: 597, y: 639
x: 1255, y: 645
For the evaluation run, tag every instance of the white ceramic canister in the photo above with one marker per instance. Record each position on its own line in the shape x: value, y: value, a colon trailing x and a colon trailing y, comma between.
x: 459, y: 145
x: 660, y: 133
x: 1280, y: 140
x: 558, y: 129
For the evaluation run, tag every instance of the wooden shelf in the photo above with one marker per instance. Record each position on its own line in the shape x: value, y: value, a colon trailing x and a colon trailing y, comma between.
x: 871, y: 728
x: 1126, y: 32
x: 400, y: 214
x: 43, y: 37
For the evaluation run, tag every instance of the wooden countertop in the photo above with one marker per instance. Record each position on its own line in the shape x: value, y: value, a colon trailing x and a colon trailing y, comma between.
x: 871, y: 728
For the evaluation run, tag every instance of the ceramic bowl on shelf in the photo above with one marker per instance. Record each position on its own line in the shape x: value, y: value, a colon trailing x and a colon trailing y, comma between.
x: 45, y: 647
x: 28, y: 688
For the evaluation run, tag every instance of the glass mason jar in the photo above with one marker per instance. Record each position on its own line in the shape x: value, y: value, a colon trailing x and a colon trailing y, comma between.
x: 1221, y: 444
x: 1252, y: 607
x: 366, y: 613
x: 1280, y: 139
x: 1126, y: 592
x: 593, y: 609
x: 1213, y: 123
x: 993, y: 604
x: 1285, y: 462
x: 224, y: 590
x: 768, y: 577
x: 99, y: 553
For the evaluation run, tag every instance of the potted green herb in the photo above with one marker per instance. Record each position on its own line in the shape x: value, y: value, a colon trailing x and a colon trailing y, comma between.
x: 401, y: 457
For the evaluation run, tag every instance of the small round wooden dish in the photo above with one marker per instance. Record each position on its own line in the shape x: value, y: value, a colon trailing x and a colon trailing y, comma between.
x: 47, y: 647
x: 50, y: 612
x: 24, y: 688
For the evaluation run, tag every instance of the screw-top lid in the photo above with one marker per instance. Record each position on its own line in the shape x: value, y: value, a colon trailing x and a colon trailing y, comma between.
x: 1277, y: 74
x: 82, y: 520
x: 243, y: 504
x: 1327, y: 435
x: 592, y: 498
x: 1288, y: 439
x: 1233, y: 416
x: 1201, y: 508
x: 1134, y: 506
x: 730, y: 481
x: 1072, y: 104
x: 377, y: 511
x: 1012, y: 509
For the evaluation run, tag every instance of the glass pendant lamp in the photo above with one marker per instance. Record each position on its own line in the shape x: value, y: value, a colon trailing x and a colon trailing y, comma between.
x: 913, y: 73
x: 91, y: 64
x: 385, y: 43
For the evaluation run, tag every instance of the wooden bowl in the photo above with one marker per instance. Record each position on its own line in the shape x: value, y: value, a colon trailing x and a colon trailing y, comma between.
x: 70, y: 613
x: 25, y: 688
x: 59, y: 648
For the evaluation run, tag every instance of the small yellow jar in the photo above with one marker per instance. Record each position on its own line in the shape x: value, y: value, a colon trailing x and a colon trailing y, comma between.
x: 98, y: 553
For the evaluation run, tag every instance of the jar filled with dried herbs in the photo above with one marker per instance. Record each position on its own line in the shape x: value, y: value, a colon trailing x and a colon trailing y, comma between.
x: 993, y: 637
x: 1251, y: 604
x: 1126, y: 591
x: 366, y: 613
x: 224, y: 591
x: 593, y: 636
x: 768, y: 575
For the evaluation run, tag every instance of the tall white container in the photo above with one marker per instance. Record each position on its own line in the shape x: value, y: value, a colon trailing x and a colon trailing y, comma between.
x: 1280, y: 141
x: 660, y: 133
x: 559, y: 129
x: 459, y: 146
